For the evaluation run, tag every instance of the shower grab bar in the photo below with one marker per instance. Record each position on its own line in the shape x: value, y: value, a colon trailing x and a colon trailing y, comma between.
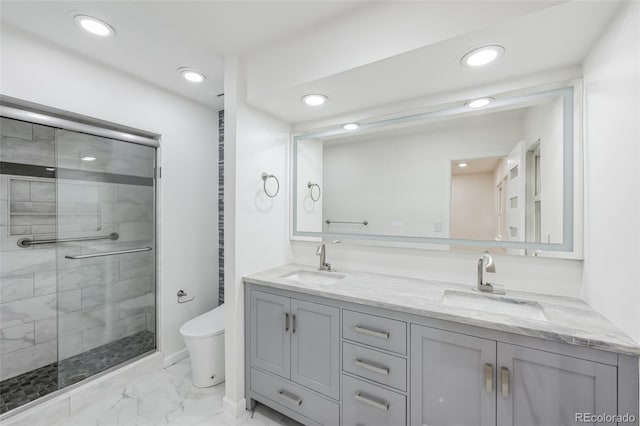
x: 27, y: 242
x: 107, y: 253
x: 364, y: 222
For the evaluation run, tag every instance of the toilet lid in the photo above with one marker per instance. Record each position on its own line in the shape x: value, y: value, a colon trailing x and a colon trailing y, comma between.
x: 205, y: 325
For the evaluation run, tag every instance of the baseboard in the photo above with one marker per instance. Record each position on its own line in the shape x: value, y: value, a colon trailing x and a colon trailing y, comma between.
x: 175, y: 357
x: 233, y: 408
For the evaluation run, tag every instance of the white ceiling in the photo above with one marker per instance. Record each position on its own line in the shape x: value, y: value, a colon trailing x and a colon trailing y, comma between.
x: 552, y: 38
x: 391, y: 51
x: 154, y: 38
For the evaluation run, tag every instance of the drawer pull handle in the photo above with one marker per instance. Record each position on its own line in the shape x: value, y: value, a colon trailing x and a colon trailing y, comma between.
x: 363, y: 364
x: 290, y: 397
x: 504, y: 374
x: 363, y: 330
x: 488, y: 377
x: 383, y: 405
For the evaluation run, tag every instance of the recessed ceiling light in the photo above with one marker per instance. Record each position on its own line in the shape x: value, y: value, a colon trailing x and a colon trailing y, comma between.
x: 94, y: 25
x: 479, y: 103
x: 314, y: 100
x: 50, y: 169
x: 482, y: 56
x: 350, y: 126
x: 192, y: 75
x: 462, y: 164
x: 88, y: 158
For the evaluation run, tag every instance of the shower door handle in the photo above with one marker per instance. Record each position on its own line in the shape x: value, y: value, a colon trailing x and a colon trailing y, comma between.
x: 107, y: 253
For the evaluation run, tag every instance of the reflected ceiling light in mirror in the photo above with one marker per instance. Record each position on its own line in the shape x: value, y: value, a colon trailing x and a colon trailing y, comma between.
x: 481, y: 56
x: 192, y: 75
x: 479, y: 103
x: 94, y: 25
x: 350, y: 126
x: 462, y: 164
x: 88, y: 158
x: 314, y: 99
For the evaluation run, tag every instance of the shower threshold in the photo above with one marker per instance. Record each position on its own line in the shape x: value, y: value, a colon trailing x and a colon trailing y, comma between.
x: 32, y: 385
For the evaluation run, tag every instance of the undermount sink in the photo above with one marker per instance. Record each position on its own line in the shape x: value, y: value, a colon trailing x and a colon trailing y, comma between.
x: 312, y: 277
x: 494, y: 304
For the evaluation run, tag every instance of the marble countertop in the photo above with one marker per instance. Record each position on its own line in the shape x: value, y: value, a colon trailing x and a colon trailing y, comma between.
x: 569, y: 320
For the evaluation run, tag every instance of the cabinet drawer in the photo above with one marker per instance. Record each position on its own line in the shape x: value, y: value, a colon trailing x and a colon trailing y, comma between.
x: 367, y: 404
x: 379, y: 332
x: 295, y: 398
x: 377, y: 366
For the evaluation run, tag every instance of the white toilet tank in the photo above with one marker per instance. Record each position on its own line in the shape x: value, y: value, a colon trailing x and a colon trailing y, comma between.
x: 204, y: 337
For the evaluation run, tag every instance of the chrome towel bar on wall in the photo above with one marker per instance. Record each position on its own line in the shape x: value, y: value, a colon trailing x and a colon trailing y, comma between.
x: 27, y: 242
x: 266, y: 177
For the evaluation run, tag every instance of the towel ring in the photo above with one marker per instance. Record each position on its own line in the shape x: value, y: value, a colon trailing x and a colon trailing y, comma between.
x: 310, y: 186
x: 264, y: 185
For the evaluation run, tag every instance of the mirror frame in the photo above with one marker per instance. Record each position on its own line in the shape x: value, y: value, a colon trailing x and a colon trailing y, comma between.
x: 571, y: 162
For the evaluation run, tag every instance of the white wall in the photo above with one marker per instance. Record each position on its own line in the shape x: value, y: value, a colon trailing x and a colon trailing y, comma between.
x: 257, y: 229
x: 612, y: 177
x: 401, y: 183
x: 36, y: 71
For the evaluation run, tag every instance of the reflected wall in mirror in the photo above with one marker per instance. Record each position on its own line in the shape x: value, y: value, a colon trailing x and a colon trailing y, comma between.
x: 498, y: 177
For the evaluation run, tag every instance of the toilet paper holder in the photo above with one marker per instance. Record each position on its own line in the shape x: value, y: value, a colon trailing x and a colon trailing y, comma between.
x: 181, y: 294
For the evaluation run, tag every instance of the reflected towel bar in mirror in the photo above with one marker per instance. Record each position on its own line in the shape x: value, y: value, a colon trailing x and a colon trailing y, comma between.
x: 364, y: 222
x: 27, y: 242
x: 311, y: 185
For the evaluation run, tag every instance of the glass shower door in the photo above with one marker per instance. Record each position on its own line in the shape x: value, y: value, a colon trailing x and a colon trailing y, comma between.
x: 106, y: 292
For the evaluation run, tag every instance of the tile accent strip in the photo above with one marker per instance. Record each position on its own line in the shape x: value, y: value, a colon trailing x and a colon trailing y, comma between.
x: 221, y: 207
x: 18, y: 169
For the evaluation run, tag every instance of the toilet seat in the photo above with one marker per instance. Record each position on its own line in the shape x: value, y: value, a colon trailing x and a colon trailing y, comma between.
x: 206, y: 325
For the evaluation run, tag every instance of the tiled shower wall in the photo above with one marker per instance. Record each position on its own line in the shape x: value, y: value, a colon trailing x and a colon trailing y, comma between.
x: 49, y: 302
x: 220, y: 207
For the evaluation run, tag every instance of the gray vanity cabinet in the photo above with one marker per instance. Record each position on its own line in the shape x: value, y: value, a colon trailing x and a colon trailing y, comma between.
x: 543, y: 388
x: 452, y: 379
x: 297, y: 340
x: 315, y: 347
x: 270, y: 336
x: 456, y: 379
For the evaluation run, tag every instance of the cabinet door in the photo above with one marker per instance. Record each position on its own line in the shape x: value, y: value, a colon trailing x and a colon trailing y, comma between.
x: 452, y: 379
x: 315, y: 347
x: 539, y: 388
x: 270, y: 337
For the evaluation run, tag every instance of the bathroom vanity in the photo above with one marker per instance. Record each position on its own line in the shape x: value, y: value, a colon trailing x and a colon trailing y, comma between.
x: 352, y: 348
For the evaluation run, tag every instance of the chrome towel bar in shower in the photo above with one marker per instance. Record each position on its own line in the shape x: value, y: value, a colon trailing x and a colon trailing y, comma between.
x: 364, y: 222
x: 107, y: 253
x: 26, y: 242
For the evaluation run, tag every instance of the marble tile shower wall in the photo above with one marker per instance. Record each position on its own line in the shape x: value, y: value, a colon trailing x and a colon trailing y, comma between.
x: 49, y: 303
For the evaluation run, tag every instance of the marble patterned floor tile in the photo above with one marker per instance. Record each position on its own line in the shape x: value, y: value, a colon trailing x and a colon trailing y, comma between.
x: 167, y: 398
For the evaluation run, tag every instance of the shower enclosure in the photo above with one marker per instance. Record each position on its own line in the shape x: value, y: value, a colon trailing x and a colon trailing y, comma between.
x: 77, y: 254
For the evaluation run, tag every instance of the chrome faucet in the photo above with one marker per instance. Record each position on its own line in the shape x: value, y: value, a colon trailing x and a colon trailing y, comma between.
x: 486, y: 264
x: 322, y: 252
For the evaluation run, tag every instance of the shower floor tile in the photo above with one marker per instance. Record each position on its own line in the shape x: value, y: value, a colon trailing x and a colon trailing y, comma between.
x: 29, y: 386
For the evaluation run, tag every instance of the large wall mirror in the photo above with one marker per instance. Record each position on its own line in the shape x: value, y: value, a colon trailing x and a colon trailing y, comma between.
x: 498, y: 177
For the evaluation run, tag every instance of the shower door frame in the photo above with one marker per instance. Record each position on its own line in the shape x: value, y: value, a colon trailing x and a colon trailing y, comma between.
x: 37, y: 114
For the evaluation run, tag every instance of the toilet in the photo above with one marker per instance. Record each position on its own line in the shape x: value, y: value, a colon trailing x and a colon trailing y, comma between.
x: 204, y: 338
